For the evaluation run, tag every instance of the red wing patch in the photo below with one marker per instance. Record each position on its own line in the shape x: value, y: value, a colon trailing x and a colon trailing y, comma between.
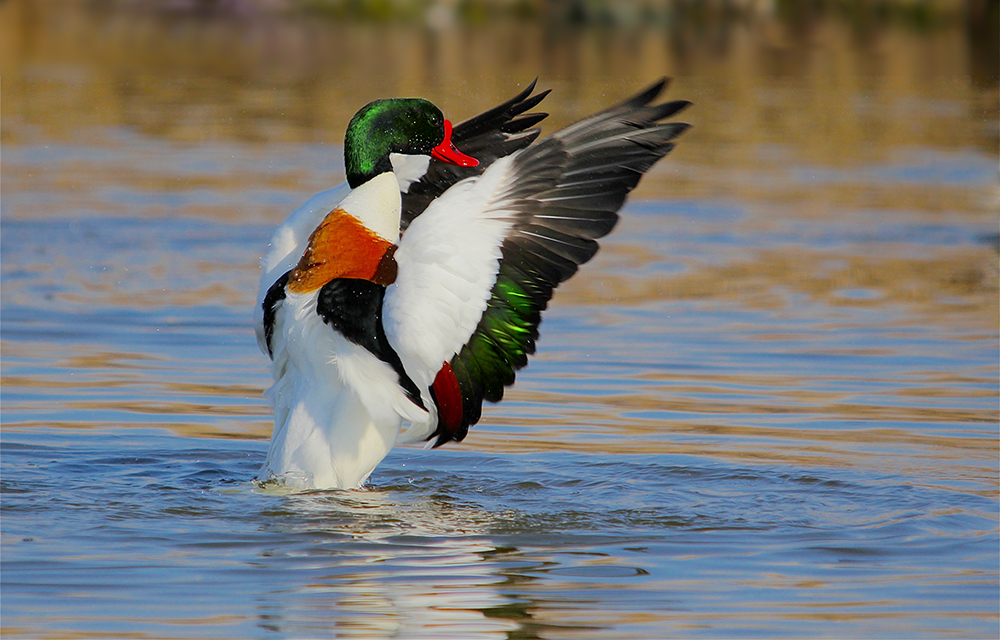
x: 448, y: 398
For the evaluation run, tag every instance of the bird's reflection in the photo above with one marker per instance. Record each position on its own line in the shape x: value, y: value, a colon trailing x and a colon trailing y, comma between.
x: 392, y: 566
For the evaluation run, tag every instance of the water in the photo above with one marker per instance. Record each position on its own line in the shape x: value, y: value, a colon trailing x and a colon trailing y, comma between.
x: 768, y: 408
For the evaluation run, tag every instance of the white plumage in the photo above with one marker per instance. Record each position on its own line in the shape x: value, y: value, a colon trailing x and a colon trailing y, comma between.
x: 448, y: 261
x: 346, y: 405
x: 369, y: 328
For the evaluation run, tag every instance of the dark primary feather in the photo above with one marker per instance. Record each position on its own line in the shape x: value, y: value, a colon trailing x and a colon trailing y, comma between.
x: 492, y: 134
x: 275, y: 294
x: 569, y: 189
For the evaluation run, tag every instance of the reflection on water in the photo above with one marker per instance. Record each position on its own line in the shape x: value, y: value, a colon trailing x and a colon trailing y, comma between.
x: 442, y: 580
x: 768, y: 407
x: 474, y: 544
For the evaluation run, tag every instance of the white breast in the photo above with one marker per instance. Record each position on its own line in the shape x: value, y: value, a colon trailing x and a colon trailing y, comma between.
x: 377, y: 204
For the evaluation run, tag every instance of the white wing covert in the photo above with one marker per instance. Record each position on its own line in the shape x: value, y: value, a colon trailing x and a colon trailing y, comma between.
x: 448, y: 262
x: 479, y: 265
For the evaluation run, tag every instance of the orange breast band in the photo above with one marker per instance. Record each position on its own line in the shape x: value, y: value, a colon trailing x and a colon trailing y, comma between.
x: 342, y: 247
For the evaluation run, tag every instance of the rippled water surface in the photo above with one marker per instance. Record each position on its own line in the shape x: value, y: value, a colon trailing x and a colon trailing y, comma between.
x: 768, y: 408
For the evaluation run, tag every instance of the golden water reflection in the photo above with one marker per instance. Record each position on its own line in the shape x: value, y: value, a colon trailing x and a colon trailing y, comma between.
x: 769, y: 90
x: 957, y: 287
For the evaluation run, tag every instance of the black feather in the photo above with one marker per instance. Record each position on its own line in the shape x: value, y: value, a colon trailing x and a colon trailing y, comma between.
x: 567, y: 191
x: 275, y: 294
x: 491, y: 135
x: 354, y: 308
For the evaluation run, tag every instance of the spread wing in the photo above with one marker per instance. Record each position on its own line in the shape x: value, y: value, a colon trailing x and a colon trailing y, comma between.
x: 491, y: 135
x: 479, y: 266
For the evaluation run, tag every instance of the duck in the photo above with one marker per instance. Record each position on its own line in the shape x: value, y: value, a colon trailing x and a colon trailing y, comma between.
x: 393, y: 305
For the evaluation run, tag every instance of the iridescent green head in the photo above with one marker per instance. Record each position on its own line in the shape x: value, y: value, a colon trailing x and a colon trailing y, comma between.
x: 398, y: 125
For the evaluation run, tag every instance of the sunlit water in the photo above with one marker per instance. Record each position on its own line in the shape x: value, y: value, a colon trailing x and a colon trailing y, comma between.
x: 769, y: 411
x: 783, y: 461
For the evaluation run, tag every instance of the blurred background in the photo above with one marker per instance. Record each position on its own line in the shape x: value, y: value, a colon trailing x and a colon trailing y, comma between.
x: 825, y: 83
x: 235, y: 110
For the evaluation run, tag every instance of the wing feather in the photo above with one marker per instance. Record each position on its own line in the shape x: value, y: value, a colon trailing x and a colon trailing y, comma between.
x: 478, y: 264
x: 487, y: 137
x: 605, y: 156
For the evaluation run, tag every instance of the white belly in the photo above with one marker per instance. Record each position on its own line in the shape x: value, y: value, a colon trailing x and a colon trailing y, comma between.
x: 327, y: 440
x: 338, y: 408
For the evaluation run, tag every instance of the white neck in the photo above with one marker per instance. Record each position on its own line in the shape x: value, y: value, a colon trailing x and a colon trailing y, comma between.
x: 377, y: 204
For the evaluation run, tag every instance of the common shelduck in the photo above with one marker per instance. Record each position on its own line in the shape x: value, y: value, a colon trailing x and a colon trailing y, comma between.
x: 414, y: 291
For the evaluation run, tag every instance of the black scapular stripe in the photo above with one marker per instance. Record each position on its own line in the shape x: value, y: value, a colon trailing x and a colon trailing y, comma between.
x: 274, y: 295
x: 354, y: 308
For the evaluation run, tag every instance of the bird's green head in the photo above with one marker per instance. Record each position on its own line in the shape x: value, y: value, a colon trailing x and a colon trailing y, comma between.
x: 398, y: 125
